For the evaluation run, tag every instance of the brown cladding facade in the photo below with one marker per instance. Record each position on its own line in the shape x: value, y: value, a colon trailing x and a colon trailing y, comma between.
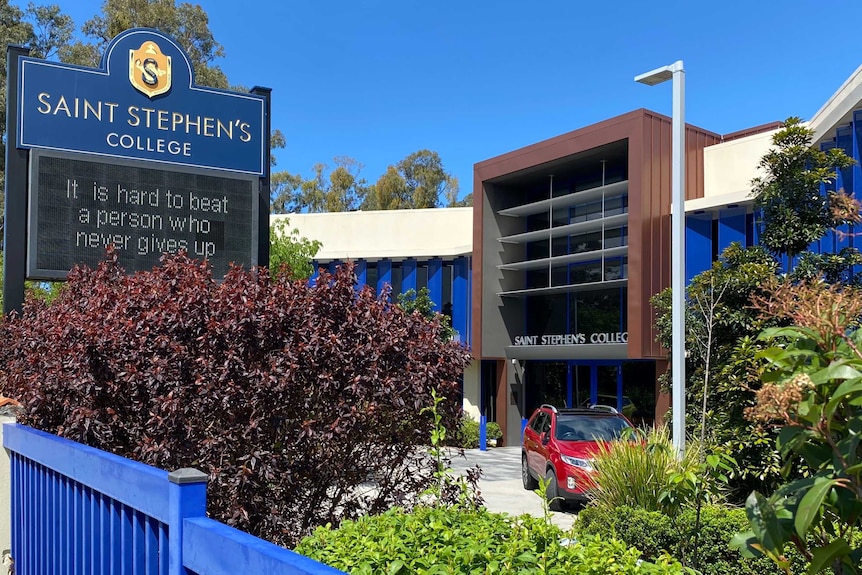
x: 648, y: 137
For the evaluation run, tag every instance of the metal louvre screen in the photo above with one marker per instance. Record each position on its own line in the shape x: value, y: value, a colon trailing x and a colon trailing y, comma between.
x: 78, y: 207
x: 61, y: 526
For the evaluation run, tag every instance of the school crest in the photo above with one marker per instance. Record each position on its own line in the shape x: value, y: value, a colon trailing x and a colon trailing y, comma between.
x: 149, y: 69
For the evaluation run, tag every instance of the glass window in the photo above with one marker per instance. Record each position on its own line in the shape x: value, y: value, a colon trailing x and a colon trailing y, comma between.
x: 561, y: 246
x: 371, y: 276
x: 616, y: 269
x: 447, y: 285
x: 585, y: 272
x: 422, y: 279
x: 586, y: 242
x: 586, y: 212
x: 578, y: 427
x: 396, y: 282
x: 561, y: 216
x: 537, y: 250
x: 537, y: 278
x: 560, y: 276
x: 599, y: 311
x: 546, y: 314
x: 537, y: 222
x: 616, y: 237
x: 616, y: 205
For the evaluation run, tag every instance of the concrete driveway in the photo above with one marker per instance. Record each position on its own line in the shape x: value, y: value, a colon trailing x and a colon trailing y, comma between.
x: 501, y: 485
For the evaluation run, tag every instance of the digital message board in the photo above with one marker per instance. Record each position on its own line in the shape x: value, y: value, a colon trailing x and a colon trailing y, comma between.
x: 79, y: 206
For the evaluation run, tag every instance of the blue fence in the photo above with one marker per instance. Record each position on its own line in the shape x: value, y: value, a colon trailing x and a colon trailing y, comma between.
x: 77, y: 510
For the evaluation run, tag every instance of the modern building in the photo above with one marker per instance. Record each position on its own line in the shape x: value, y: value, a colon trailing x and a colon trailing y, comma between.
x: 548, y: 277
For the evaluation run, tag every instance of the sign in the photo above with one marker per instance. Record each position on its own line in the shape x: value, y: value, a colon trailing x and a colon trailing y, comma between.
x: 78, y: 206
x: 141, y: 103
x: 573, y: 339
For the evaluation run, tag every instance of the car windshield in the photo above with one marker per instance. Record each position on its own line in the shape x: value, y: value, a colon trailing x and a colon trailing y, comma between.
x: 574, y: 427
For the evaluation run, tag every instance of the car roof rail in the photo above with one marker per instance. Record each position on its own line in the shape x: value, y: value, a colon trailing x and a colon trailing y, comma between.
x: 549, y: 406
x: 607, y: 408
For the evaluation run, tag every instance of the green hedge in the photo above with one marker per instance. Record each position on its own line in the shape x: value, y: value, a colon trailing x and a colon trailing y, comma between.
x: 467, y: 435
x: 452, y: 540
x: 654, y: 533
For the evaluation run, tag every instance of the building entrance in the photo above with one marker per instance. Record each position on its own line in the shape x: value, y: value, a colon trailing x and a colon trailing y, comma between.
x: 628, y: 386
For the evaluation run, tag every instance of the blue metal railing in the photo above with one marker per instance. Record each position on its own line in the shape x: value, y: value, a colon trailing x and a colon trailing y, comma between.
x: 77, y: 510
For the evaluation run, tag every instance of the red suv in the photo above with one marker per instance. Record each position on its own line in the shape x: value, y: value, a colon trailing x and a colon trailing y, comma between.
x: 559, y: 445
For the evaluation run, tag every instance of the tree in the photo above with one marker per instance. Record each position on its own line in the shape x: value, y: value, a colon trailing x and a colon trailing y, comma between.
x: 412, y: 302
x: 185, y: 22
x: 417, y: 181
x: 721, y: 327
x: 289, y: 252
x: 338, y: 190
x: 794, y: 212
x: 288, y: 396
x: 388, y: 193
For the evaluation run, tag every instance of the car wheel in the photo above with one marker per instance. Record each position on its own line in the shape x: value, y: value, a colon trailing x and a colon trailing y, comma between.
x: 555, y: 503
x: 530, y: 482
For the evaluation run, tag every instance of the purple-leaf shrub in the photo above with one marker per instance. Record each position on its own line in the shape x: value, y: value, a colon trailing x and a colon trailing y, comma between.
x: 302, y: 404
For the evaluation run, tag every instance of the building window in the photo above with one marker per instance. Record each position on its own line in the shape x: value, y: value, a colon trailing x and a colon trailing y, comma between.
x: 371, y: 276
x: 599, y: 311
x: 422, y: 278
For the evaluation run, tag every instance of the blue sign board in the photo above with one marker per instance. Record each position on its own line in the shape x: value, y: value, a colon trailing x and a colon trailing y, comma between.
x: 141, y: 103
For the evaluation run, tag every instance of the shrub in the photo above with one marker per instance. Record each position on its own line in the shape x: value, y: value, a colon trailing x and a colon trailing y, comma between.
x: 654, y: 533
x: 645, y: 473
x: 467, y: 436
x: 454, y: 540
x: 289, y: 397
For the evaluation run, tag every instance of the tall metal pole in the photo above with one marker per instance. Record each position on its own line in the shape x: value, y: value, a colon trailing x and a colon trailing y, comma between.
x: 678, y: 255
x: 15, y: 218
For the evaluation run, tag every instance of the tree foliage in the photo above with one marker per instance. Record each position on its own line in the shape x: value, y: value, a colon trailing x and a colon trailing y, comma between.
x: 794, y: 211
x: 289, y: 252
x: 289, y: 397
x: 812, y: 392
x: 417, y: 181
x: 185, y: 22
x: 420, y: 303
x: 719, y: 303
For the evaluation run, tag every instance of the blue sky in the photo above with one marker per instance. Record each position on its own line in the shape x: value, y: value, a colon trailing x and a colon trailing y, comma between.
x: 472, y: 79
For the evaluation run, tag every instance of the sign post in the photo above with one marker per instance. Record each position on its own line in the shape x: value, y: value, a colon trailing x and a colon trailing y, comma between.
x: 132, y: 154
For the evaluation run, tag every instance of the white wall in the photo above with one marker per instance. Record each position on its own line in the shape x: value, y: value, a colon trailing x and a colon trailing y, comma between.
x: 433, y: 232
x: 472, y: 390
x: 728, y: 169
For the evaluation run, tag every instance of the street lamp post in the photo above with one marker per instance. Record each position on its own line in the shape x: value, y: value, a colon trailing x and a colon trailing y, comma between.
x: 676, y: 71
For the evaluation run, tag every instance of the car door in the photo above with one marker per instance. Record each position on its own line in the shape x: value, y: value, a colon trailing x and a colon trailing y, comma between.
x: 543, y: 451
x: 532, y: 442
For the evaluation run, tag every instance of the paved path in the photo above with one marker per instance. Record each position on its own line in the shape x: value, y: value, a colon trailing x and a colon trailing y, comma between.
x: 501, y: 484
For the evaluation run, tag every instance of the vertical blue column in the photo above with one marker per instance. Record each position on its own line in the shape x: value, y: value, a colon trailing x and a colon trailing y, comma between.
x: 594, y: 383
x: 384, y: 274
x: 698, y: 245
x: 460, y: 298
x: 731, y: 227
x: 569, y: 399
x: 332, y: 266
x: 315, y: 272
x: 361, y: 271
x: 408, y: 275
x: 435, y: 283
